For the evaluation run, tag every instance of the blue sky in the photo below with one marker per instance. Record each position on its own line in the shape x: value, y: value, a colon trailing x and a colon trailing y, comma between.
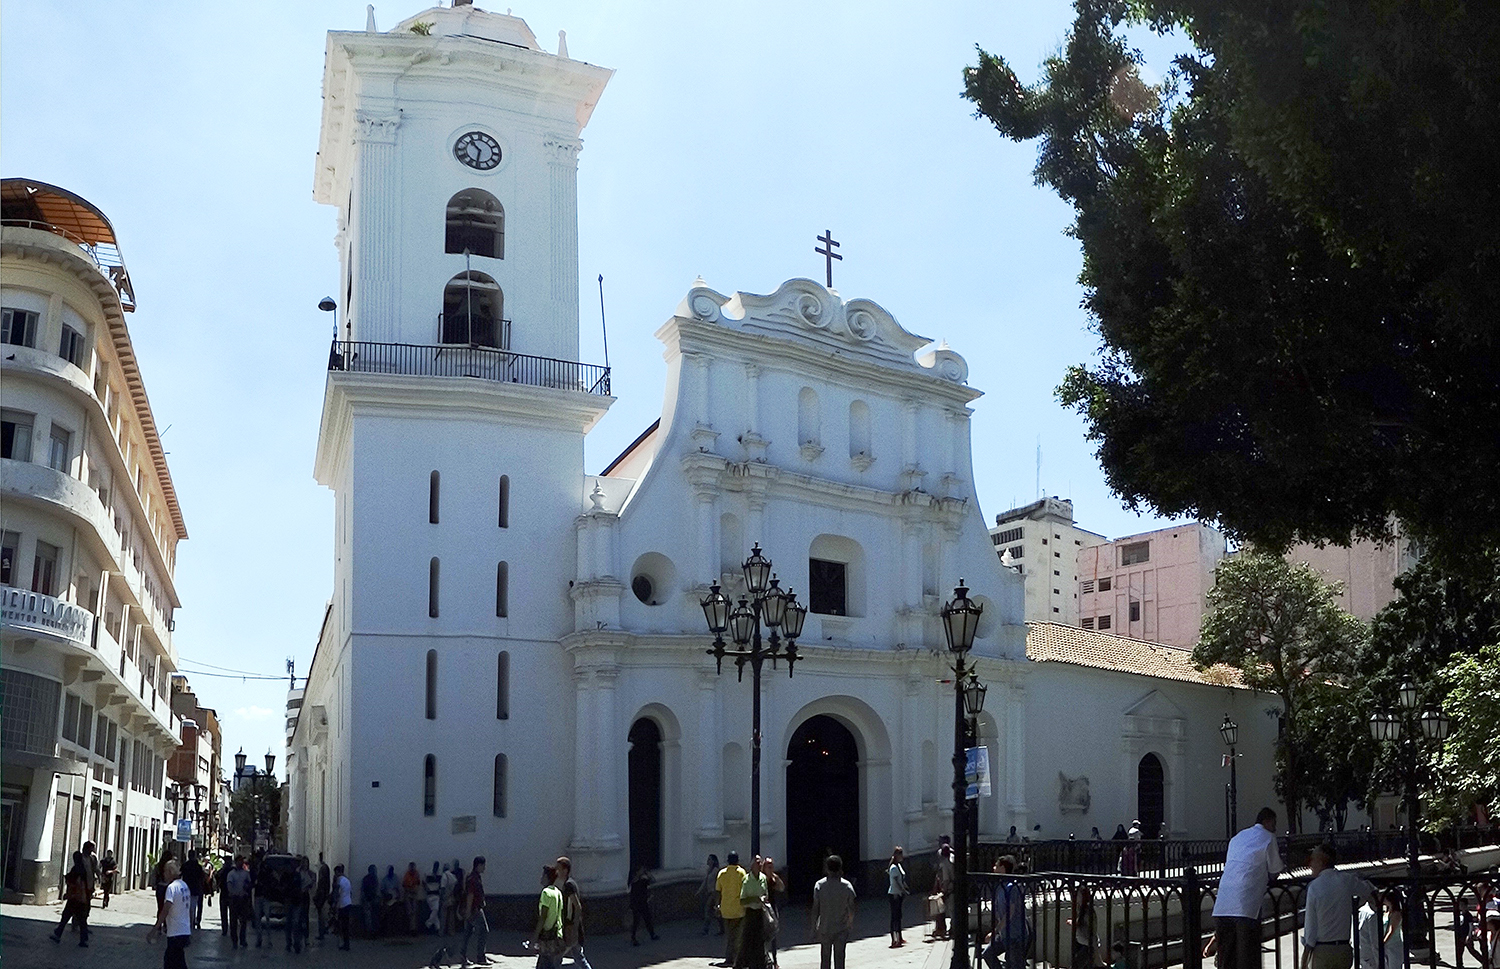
x: 730, y: 136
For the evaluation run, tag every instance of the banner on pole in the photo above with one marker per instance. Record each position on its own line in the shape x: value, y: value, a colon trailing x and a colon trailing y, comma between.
x: 184, y: 829
x: 977, y: 772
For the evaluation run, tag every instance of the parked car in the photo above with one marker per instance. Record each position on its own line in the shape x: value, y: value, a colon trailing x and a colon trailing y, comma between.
x: 278, y: 873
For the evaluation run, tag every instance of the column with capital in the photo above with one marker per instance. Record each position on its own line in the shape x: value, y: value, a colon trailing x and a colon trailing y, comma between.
x: 376, y: 226
x: 562, y: 167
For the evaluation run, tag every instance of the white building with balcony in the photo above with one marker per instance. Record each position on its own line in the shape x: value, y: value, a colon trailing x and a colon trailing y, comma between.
x: 90, y: 525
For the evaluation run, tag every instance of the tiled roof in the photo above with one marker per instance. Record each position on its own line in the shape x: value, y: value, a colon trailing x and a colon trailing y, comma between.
x: 1054, y: 642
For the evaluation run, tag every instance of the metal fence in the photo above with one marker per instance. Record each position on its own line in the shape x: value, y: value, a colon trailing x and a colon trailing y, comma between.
x: 1096, y: 920
x: 457, y: 360
x: 1167, y: 858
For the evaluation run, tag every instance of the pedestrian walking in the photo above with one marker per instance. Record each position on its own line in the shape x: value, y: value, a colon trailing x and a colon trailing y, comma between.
x: 108, y: 869
x: 239, y: 885
x: 192, y: 877
x: 1010, y: 935
x: 1328, y: 911
x: 547, y: 936
x: 472, y: 912
x: 832, y: 914
x: 728, y: 885
x: 942, y: 892
x: 775, y: 889
x: 175, y: 916
x: 896, y: 893
x: 710, y: 895
x: 158, y: 875
x: 1250, y: 862
x: 640, y: 905
x: 75, y: 900
x: 91, y: 866
x: 221, y: 877
x: 752, y: 954
x: 266, y: 891
x: 297, y: 900
x: 321, y: 891
x: 450, y: 890
x: 432, y: 886
x: 572, y: 914
x: 369, y: 901
x: 343, y: 895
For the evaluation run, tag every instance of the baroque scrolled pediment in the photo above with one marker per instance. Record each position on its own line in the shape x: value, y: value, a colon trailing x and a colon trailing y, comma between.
x: 803, y: 310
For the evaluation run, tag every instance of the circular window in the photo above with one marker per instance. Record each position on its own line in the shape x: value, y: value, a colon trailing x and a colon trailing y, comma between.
x: 651, y: 578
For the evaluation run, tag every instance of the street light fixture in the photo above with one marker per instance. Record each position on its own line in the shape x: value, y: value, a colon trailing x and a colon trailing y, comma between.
x: 960, y: 624
x: 782, y: 615
x: 239, y: 762
x: 1230, y: 731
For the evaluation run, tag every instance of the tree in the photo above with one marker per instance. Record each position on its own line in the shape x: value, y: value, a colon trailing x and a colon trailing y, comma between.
x: 257, y: 804
x: 1280, y: 625
x: 1467, y: 769
x: 1288, y: 256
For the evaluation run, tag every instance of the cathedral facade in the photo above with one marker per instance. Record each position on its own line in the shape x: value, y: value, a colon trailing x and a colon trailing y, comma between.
x: 513, y: 660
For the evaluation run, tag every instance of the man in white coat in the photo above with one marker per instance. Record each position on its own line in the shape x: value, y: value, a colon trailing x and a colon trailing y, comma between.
x: 1252, y: 859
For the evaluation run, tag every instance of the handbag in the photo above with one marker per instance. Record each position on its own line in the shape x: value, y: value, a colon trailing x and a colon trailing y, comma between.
x: 936, y: 905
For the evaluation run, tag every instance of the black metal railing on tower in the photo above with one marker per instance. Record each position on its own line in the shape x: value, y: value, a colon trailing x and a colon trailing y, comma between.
x: 460, y: 360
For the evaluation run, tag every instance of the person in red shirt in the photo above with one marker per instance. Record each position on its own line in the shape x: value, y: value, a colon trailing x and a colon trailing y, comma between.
x: 471, y: 910
x: 76, y: 904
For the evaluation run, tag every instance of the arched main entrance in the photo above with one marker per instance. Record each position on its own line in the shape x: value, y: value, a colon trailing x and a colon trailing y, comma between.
x: 1150, y: 795
x: 822, y: 801
x: 645, y: 794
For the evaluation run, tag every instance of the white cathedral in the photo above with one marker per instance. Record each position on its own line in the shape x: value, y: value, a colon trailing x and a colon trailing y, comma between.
x: 513, y: 659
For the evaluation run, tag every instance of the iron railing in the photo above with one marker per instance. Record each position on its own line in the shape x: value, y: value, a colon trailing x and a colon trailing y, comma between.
x: 105, y: 255
x: 1079, y: 920
x: 456, y: 360
x: 1166, y: 858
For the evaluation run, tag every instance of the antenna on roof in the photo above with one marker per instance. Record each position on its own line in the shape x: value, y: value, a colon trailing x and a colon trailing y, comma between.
x: 603, y: 328
x: 1038, y: 465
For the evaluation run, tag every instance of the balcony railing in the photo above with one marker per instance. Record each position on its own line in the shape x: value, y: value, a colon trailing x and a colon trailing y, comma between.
x: 456, y: 360
x: 48, y: 615
x: 105, y: 255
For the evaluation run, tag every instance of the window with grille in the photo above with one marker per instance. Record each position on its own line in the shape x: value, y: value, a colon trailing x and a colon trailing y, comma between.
x: 1104, y: 622
x: 1087, y: 623
x: 1009, y: 535
x: 1088, y: 585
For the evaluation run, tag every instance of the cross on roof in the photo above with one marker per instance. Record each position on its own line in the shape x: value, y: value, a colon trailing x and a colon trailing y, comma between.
x: 827, y: 252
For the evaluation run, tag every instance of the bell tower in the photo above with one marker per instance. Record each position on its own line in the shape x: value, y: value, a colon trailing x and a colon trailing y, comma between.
x: 450, y: 147
x: 452, y: 437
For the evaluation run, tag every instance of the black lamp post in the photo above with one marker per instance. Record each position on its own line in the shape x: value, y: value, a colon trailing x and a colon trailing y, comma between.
x: 960, y: 623
x: 1230, y: 731
x: 1404, y: 727
x: 780, y: 612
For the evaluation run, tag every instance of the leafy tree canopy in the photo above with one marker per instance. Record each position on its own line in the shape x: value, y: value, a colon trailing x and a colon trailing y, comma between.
x: 1280, y: 624
x: 1467, y: 769
x: 1289, y: 255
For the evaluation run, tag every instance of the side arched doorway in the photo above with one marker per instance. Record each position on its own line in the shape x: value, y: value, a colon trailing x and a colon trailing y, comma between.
x: 1151, y: 795
x: 822, y: 801
x: 645, y: 782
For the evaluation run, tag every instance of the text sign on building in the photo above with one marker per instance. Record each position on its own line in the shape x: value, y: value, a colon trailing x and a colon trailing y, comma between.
x: 977, y: 771
x: 23, y: 610
x: 184, y: 829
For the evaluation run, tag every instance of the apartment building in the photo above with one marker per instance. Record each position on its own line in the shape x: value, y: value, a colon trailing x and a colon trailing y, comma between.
x: 1152, y: 585
x: 89, y: 528
x: 1040, y: 541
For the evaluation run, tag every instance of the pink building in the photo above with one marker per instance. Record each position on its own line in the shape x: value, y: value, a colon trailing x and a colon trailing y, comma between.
x: 1150, y: 586
x: 1366, y: 570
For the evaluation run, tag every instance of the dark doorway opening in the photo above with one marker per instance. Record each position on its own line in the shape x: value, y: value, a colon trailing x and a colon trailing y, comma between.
x: 645, y: 794
x: 1150, y: 797
x: 822, y: 802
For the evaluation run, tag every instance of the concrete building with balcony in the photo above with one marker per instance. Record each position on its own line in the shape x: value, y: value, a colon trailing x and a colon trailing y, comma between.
x: 1040, y: 541
x: 1150, y: 586
x: 90, y: 525
x: 196, y: 764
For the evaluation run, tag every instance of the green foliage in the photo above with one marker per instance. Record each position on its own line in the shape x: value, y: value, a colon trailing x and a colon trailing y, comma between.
x: 252, y: 801
x: 1288, y: 254
x: 1280, y: 625
x: 422, y: 28
x: 1467, y: 769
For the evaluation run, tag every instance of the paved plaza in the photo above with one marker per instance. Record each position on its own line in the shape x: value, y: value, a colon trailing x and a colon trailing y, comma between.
x: 118, y: 941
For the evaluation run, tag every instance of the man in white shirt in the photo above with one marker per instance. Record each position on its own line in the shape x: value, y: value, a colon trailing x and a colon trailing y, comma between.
x: 1329, y: 912
x: 175, y: 915
x: 1248, y: 866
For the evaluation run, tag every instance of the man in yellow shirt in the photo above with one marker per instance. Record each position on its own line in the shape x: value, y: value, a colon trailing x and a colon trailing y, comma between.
x: 731, y: 877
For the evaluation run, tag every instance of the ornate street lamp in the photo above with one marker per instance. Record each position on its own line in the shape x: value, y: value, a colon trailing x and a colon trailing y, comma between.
x: 1230, y: 731
x: 782, y: 615
x: 960, y: 623
x: 239, y: 762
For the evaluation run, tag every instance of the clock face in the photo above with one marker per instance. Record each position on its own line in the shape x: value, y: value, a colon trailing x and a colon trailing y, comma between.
x: 477, y: 150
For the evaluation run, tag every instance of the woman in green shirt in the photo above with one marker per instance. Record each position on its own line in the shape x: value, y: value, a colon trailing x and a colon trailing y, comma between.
x: 752, y: 953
